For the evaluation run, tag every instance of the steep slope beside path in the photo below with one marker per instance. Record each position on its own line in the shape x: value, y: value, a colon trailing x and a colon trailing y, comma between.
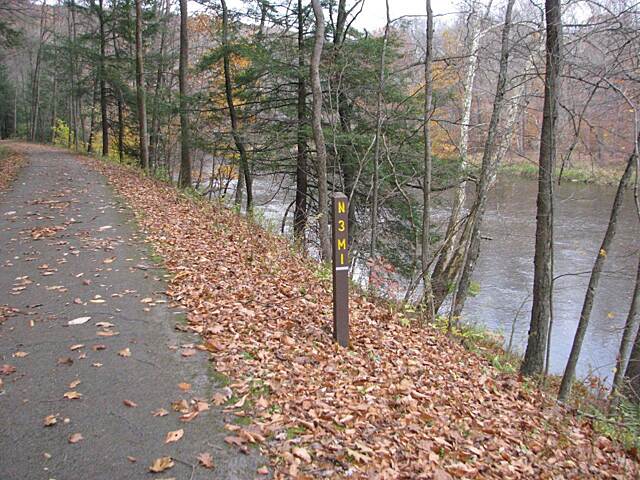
x: 400, y: 402
x: 68, y: 250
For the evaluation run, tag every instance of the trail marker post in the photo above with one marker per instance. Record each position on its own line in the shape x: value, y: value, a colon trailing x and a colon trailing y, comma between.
x: 340, y: 269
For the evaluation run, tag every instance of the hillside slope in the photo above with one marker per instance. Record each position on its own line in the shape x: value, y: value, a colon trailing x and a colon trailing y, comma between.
x: 401, y: 402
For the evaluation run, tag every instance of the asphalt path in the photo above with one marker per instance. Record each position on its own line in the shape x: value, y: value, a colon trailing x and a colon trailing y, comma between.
x: 70, y: 249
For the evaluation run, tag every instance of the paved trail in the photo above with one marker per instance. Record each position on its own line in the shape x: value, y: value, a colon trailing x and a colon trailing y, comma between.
x: 68, y: 249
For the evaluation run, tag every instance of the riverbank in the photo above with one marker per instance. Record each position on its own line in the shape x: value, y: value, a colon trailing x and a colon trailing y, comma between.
x: 587, y: 174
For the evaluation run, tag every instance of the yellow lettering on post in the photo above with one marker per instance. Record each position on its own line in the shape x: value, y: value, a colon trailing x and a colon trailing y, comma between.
x: 341, y: 226
x: 342, y: 244
x: 342, y: 259
x: 342, y: 208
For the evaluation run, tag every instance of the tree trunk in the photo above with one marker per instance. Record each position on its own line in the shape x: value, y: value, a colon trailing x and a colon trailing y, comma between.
x: 155, y: 114
x: 103, y: 85
x: 140, y: 91
x: 534, y: 358
x: 598, y: 265
x: 93, y: 115
x: 300, y: 211
x: 185, y: 156
x: 630, y: 329
x: 237, y: 138
x: 318, y: 135
x: 35, y: 86
x: 428, y: 161
x: 440, y: 289
x: 376, y: 151
x: 471, y: 234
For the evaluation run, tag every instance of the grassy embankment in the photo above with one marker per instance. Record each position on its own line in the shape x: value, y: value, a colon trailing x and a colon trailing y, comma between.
x: 609, y: 175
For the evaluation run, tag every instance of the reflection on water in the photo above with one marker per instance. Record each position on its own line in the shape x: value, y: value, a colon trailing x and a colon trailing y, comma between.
x: 505, y: 269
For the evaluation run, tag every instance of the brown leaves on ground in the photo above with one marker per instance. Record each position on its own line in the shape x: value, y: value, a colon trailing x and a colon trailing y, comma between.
x: 402, y: 401
x: 10, y: 165
x: 174, y: 436
x: 75, y: 438
x: 205, y: 459
x: 7, y: 369
x: 50, y: 420
x: 161, y: 464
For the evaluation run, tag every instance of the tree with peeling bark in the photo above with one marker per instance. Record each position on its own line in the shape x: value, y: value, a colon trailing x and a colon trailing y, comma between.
x: 318, y: 134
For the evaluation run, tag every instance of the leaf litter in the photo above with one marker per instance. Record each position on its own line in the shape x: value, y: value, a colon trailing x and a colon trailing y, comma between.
x: 401, y: 401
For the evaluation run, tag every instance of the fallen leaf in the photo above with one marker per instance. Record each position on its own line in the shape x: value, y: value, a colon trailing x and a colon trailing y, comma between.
x: 65, y: 361
x: 180, y: 406
x: 174, y: 436
x: 125, y: 352
x: 98, y: 346
x: 75, y: 383
x: 206, y: 460
x: 7, y: 369
x: 184, y: 386
x: 240, y: 402
x: 160, y: 412
x: 130, y: 403
x: 235, y: 440
x: 50, y: 420
x: 97, y: 365
x: 107, y: 333
x: 72, y: 395
x: 78, y: 321
x: 106, y: 227
x: 75, y: 437
x: 21, y: 354
x: 104, y: 325
x: 302, y: 454
x: 222, y: 396
x: 188, y: 352
x: 109, y: 260
x: 187, y: 417
x: 77, y: 346
x: 263, y: 471
x: 146, y: 300
x: 132, y: 459
x: 161, y: 464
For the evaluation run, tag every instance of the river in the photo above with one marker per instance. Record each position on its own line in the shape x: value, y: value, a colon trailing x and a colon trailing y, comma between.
x: 505, y: 269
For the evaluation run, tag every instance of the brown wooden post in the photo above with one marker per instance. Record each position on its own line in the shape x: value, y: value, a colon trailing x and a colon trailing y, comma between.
x: 340, y: 269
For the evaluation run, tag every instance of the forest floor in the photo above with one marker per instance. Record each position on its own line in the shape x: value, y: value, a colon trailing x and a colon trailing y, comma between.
x: 403, y: 401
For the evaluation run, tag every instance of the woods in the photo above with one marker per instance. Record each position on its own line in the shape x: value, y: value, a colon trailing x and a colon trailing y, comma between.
x: 281, y: 104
